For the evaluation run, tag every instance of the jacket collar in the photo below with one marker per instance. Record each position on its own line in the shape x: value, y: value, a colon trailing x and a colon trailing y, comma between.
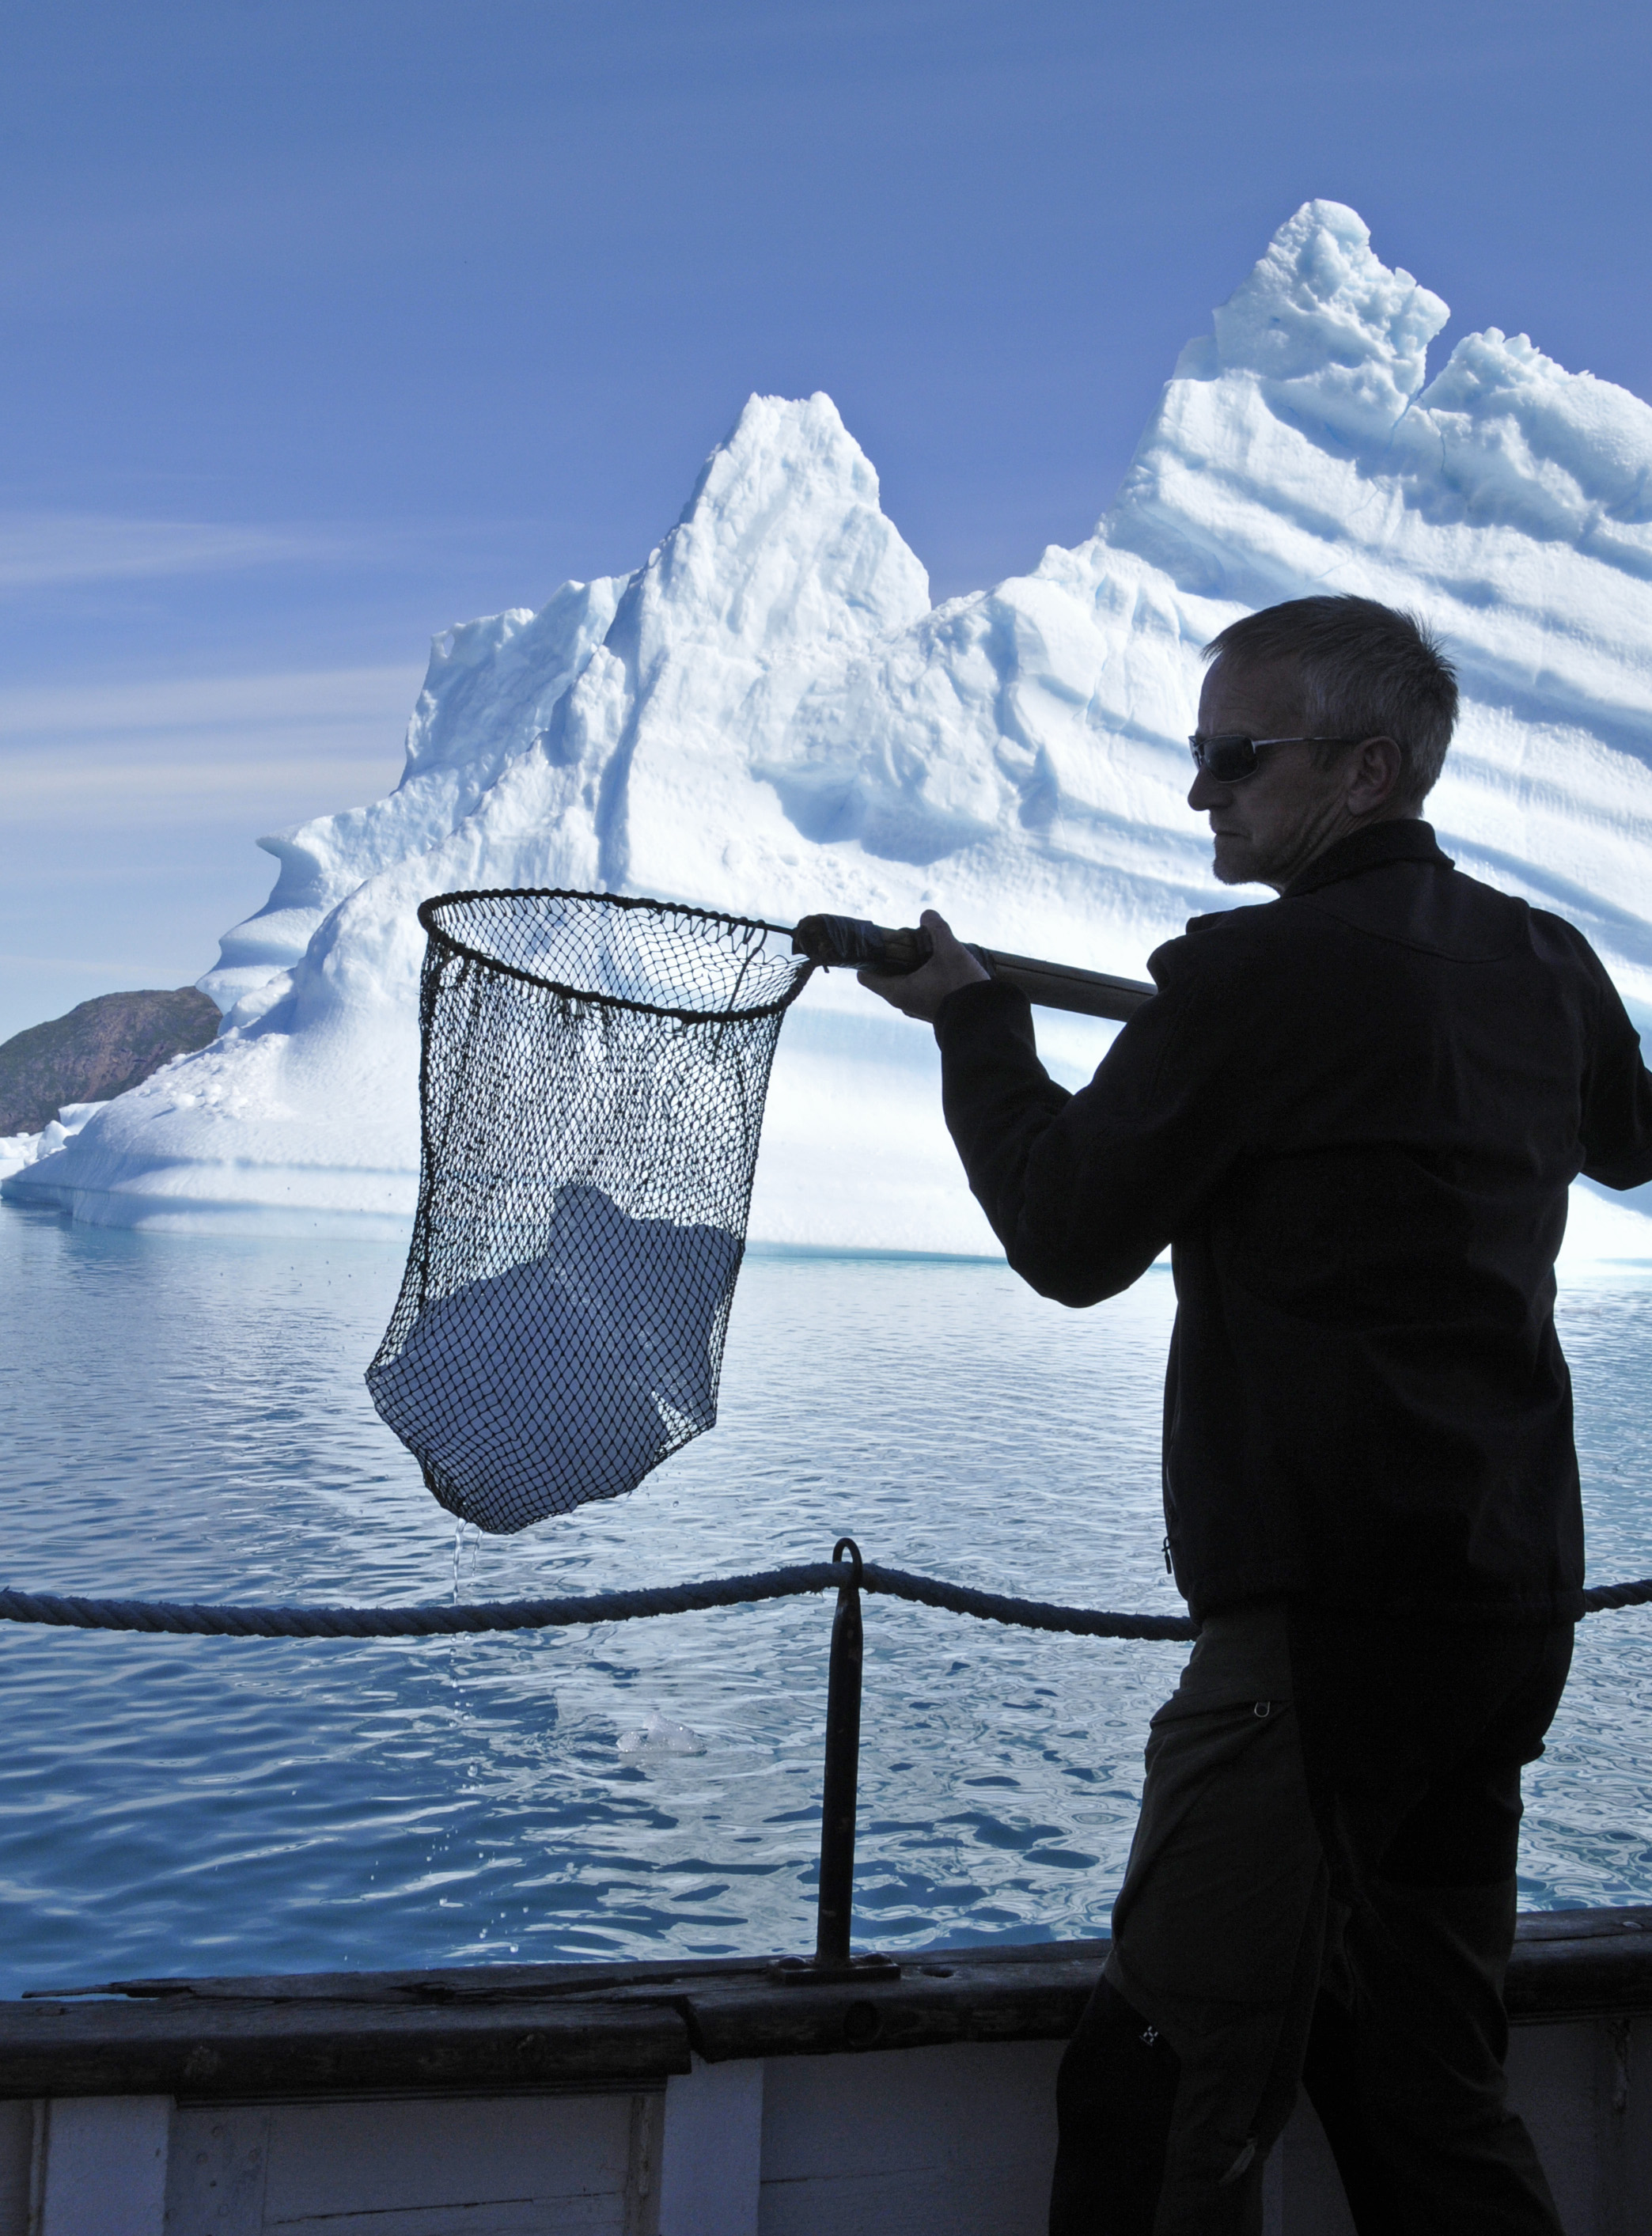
x: 1401, y: 841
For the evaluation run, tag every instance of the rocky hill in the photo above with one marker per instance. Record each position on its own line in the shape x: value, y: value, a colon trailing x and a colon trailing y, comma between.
x: 97, y: 1051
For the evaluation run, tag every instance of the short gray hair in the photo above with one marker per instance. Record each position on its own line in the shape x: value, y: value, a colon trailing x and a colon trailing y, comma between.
x: 1367, y: 671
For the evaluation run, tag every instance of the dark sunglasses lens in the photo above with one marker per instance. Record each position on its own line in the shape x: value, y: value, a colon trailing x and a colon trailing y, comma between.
x: 1228, y: 759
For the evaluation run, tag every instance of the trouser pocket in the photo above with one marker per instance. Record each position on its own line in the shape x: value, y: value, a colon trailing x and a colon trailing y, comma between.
x: 1226, y: 1859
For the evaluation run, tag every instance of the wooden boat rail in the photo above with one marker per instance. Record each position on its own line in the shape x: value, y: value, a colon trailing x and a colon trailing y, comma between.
x: 506, y: 2026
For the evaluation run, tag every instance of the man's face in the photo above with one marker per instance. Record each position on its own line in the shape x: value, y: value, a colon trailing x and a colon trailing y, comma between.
x: 1272, y: 824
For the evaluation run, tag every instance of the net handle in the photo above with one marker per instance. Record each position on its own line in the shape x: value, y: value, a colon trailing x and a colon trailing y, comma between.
x: 439, y: 936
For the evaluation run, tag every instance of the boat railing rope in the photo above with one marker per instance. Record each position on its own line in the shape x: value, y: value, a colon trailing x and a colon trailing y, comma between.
x: 435, y: 1621
x: 185, y: 1619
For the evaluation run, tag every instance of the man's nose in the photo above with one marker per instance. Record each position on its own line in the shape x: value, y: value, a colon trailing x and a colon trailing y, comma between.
x: 1205, y: 792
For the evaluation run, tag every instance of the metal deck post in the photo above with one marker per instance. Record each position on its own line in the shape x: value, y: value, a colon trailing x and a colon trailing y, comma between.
x: 835, y: 1904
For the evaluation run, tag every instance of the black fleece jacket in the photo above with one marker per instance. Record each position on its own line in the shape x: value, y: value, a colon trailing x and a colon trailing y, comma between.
x: 1354, y: 1114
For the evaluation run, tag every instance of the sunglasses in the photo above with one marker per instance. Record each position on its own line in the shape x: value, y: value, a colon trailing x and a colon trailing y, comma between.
x: 1231, y: 759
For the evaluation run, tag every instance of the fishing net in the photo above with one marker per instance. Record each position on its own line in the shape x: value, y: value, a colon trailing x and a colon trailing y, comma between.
x: 591, y: 1091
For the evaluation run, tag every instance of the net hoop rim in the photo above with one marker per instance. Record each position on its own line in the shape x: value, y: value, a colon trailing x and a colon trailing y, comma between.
x: 439, y: 936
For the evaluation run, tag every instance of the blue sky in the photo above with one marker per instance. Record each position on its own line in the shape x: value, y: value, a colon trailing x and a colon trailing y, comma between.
x: 329, y: 325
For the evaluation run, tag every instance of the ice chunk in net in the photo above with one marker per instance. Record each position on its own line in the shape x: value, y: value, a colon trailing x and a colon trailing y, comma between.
x: 569, y: 1377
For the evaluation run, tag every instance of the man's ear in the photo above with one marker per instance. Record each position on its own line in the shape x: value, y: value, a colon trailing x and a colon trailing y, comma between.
x: 1375, y: 768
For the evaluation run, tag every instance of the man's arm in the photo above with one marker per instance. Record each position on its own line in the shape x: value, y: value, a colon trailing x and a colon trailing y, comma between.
x: 1617, y: 1098
x: 1083, y: 1190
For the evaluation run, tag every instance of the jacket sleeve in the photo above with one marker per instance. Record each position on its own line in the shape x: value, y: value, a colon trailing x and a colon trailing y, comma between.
x: 1085, y: 1190
x: 1617, y: 1098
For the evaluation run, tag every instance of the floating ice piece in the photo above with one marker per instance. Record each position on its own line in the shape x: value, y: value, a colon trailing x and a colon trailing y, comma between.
x: 17, y: 1150
x: 659, y: 1736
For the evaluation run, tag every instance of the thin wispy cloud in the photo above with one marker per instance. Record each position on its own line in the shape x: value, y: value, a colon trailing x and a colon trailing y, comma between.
x: 133, y: 808
x: 45, y: 550
x: 382, y: 695
x: 125, y: 792
x: 117, y: 968
x: 251, y: 752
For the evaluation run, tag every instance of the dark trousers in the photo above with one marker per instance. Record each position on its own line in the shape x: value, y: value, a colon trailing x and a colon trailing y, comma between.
x: 1321, y: 1888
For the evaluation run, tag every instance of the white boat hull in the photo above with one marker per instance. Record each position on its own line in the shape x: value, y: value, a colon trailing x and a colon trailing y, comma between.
x: 952, y: 2138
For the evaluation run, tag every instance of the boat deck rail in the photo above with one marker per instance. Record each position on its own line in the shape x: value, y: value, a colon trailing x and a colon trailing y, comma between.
x: 505, y: 2026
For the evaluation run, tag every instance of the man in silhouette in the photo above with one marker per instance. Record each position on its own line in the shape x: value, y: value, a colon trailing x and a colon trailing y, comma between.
x: 1353, y: 1114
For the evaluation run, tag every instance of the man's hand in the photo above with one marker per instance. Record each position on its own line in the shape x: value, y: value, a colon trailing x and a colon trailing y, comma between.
x: 922, y: 991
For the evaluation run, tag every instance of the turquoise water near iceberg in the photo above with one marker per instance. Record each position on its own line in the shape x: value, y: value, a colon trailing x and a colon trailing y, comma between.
x: 184, y: 1418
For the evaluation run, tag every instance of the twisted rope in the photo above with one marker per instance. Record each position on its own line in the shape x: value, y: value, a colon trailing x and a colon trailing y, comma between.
x: 1602, y: 1597
x: 181, y: 1619
x: 559, y: 1613
x: 412, y: 1622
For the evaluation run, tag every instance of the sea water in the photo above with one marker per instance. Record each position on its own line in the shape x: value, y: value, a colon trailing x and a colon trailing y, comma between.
x: 186, y: 1419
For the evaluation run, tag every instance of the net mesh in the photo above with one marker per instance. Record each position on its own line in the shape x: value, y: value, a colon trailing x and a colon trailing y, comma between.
x: 591, y: 1091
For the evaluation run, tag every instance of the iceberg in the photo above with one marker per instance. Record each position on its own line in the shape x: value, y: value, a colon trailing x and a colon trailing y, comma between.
x: 769, y: 717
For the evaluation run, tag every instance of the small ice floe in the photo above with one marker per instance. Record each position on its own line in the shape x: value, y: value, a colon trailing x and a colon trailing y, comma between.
x: 661, y: 1736
x: 17, y: 1150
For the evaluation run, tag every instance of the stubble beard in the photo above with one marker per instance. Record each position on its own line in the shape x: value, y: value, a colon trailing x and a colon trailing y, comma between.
x: 1240, y: 861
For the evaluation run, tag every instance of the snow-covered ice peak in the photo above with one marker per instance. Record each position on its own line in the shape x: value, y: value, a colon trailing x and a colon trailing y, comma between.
x: 782, y: 539
x: 781, y: 567
x: 767, y: 716
x: 1506, y: 436
x: 1327, y: 327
